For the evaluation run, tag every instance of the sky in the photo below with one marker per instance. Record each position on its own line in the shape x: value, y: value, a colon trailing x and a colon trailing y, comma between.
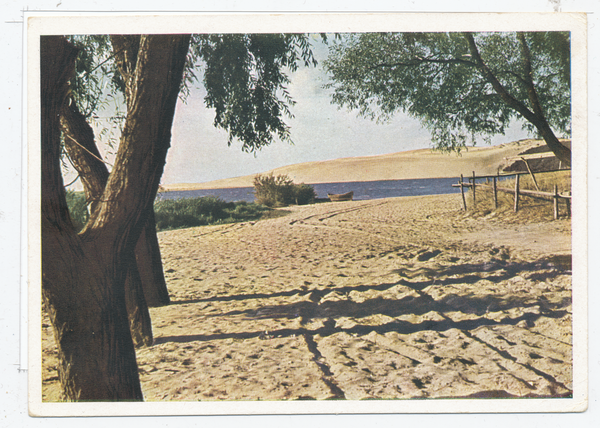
x: 319, y: 131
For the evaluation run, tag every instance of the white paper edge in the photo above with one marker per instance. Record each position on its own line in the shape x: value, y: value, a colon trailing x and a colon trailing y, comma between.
x: 135, y: 23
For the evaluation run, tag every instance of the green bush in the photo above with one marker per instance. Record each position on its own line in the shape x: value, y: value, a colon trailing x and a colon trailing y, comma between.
x: 278, y: 191
x: 77, y: 209
x: 273, y: 191
x: 180, y: 213
x: 305, y: 194
x: 191, y: 212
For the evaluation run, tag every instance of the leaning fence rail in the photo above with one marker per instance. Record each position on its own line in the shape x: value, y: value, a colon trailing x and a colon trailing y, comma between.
x: 554, y: 196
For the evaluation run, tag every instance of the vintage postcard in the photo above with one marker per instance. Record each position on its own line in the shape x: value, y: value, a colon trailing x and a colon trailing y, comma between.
x: 307, y: 213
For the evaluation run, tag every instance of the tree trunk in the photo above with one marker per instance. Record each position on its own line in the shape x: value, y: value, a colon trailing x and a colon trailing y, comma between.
x: 562, y: 153
x: 82, y: 150
x: 146, y: 276
x: 149, y: 263
x: 87, y: 309
x: 83, y: 275
x: 140, y: 323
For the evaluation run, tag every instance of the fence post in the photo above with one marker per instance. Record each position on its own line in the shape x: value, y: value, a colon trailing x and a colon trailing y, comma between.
x: 495, y: 194
x: 531, y: 173
x: 555, y: 202
x: 516, y: 208
x: 462, y: 192
x: 568, y: 201
x: 473, y: 187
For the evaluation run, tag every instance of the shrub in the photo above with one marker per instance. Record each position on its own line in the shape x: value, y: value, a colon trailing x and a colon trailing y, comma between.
x: 278, y: 191
x: 192, y: 212
x: 305, y: 194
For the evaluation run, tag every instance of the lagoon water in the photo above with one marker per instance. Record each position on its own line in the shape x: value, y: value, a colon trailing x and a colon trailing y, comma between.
x: 363, y: 190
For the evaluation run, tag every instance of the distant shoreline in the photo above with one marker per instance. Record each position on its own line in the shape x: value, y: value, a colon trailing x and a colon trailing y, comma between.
x: 414, y: 164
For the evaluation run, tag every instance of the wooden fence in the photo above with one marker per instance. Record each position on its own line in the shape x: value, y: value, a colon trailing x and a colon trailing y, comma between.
x: 554, y: 196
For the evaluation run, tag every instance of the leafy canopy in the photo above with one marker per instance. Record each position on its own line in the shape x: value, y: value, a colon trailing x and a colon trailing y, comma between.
x: 245, y: 76
x: 435, y: 78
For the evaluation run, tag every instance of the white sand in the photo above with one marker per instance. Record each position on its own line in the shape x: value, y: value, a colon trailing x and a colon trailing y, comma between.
x: 395, y: 298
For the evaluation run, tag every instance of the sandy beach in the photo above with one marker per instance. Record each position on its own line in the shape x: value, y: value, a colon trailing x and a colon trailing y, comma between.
x: 392, y: 298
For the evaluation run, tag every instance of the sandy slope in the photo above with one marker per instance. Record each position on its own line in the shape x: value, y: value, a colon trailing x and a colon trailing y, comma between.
x: 393, y: 298
x: 396, y: 166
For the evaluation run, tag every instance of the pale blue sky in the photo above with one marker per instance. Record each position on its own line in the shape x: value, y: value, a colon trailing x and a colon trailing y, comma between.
x: 320, y: 131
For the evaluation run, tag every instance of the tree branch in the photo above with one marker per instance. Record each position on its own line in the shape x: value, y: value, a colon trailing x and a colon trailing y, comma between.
x: 536, y: 117
x: 500, y: 90
x: 531, y: 92
x: 153, y: 91
x: 562, y: 152
x: 419, y: 61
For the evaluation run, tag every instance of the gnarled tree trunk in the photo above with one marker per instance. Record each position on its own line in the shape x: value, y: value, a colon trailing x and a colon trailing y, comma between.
x: 83, y: 275
x: 82, y: 150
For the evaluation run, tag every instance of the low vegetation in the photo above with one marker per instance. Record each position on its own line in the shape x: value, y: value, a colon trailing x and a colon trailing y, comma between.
x: 530, y: 209
x: 191, y: 212
x: 181, y: 213
x: 280, y: 190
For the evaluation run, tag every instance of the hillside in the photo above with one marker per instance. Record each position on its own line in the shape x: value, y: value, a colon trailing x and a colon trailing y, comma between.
x: 423, y: 163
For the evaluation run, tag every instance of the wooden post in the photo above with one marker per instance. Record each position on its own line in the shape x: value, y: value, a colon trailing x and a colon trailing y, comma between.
x: 516, y: 208
x: 495, y: 193
x: 555, y: 202
x: 473, y: 188
x: 531, y: 173
x: 568, y: 201
x: 462, y: 192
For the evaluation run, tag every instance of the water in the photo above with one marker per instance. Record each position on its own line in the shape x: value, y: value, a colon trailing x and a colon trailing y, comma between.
x: 363, y: 190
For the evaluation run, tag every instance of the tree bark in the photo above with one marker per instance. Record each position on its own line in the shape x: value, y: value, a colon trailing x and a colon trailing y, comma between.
x: 149, y: 264
x: 83, y: 152
x: 126, y: 48
x: 83, y: 275
x: 87, y: 310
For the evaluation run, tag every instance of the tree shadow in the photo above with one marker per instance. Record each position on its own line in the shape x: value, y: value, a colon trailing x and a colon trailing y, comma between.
x: 422, y: 304
x: 467, y: 273
x: 398, y: 326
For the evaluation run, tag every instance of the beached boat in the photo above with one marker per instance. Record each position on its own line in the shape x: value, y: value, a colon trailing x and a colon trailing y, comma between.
x: 340, y: 197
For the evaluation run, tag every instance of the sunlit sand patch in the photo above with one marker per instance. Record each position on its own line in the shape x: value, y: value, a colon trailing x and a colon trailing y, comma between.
x: 390, y: 299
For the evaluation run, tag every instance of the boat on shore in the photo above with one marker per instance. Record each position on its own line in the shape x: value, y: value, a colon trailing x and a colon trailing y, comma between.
x: 340, y: 197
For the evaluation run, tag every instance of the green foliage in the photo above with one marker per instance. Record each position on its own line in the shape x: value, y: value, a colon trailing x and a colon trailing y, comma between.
x: 436, y: 78
x: 273, y: 191
x: 191, y: 212
x: 96, y: 83
x: 278, y: 191
x: 77, y: 209
x: 244, y: 76
x: 304, y: 194
x: 98, y: 88
x: 245, y: 79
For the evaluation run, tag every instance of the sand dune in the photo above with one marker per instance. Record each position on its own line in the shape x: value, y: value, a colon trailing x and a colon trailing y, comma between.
x: 423, y: 163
